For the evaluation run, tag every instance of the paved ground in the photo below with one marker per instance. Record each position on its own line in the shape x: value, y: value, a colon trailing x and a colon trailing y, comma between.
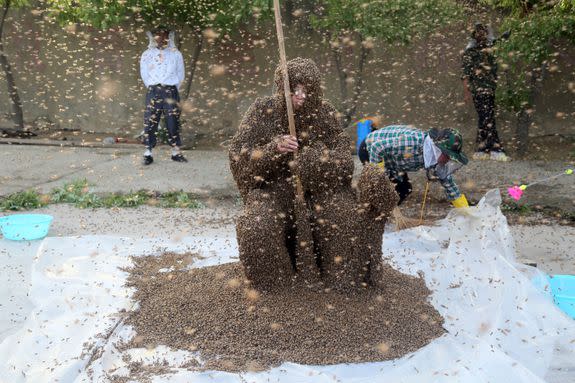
x: 112, y: 170
x: 119, y: 169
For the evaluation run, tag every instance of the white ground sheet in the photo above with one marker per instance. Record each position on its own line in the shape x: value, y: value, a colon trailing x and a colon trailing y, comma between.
x: 500, y: 326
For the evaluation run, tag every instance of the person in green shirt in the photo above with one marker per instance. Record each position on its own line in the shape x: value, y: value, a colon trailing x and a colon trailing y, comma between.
x: 479, y: 84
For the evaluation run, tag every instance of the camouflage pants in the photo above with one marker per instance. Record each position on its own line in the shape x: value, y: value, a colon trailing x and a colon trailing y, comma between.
x: 487, y: 137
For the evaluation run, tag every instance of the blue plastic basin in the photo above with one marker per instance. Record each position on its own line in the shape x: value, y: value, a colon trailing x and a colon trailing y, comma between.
x: 563, y: 289
x: 25, y: 227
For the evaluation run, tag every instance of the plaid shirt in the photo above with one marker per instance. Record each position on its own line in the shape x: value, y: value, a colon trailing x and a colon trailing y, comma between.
x: 401, y: 150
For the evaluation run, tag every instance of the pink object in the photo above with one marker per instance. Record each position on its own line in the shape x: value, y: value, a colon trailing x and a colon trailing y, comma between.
x: 515, y: 192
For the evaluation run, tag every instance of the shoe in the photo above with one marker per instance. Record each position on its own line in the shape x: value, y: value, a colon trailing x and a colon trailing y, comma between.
x: 500, y: 156
x: 148, y: 160
x: 179, y: 158
x: 481, y: 156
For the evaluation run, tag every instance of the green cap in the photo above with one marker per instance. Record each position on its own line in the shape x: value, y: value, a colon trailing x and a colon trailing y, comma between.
x: 450, y: 142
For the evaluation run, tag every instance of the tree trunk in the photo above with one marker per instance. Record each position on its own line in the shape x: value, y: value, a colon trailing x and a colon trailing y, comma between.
x: 358, y: 88
x: 522, y: 131
x: 199, y: 39
x: 288, y: 15
x: 17, y: 115
x: 524, y: 116
x: 341, y: 73
x: 349, y: 107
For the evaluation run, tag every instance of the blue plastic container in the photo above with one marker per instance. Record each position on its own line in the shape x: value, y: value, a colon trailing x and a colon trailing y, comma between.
x: 563, y: 289
x: 25, y: 227
x: 363, y: 129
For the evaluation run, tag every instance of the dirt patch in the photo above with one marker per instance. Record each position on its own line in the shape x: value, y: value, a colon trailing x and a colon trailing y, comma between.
x: 215, y: 311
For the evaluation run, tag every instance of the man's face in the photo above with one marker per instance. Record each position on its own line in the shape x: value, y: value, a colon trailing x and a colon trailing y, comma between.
x: 161, y: 38
x: 481, y: 35
x: 298, y: 96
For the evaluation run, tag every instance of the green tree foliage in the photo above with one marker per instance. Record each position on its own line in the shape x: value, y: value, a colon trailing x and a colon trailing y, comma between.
x: 394, y: 21
x: 534, y: 25
x: 363, y: 23
x: 209, y: 19
x: 199, y: 15
x: 526, y: 57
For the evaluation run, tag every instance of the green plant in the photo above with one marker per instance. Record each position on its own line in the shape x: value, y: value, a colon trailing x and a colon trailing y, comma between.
x: 71, y: 192
x: 88, y: 201
x: 126, y: 200
x: 25, y: 200
x: 77, y: 193
x: 178, y: 199
x: 514, y: 207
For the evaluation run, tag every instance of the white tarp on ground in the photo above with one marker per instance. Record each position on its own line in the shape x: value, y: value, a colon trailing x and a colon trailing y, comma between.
x: 501, y: 328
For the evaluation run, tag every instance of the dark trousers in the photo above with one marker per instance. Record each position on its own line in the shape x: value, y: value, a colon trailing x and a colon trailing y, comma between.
x: 162, y: 99
x: 487, y: 138
x: 402, y: 185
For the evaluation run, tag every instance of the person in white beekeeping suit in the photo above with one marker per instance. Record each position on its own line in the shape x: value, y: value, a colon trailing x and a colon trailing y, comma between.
x: 162, y: 71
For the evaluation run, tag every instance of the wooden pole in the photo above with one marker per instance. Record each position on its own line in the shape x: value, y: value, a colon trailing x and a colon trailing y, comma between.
x: 283, y: 63
x: 287, y: 92
x: 306, y: 263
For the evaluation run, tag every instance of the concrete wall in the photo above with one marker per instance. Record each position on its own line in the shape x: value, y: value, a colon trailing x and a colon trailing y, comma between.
x: 84, y: 79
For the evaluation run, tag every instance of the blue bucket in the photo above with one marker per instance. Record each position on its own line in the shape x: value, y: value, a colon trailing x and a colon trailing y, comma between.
x: 563, y: 289
x: 25, y: 227
x: 363, y: 129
